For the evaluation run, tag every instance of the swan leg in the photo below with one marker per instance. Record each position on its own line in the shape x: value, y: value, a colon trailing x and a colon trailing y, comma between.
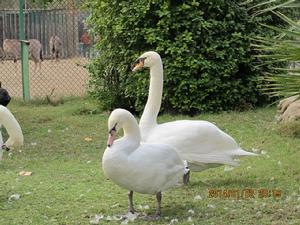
x: 130, y: 198
x: 157, y: 214
x: 158, y: 211
x: 186, y: 178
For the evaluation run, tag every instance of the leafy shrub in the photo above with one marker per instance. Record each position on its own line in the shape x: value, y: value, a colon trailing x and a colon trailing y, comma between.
x: 281, y: 51
x: 205, y: 47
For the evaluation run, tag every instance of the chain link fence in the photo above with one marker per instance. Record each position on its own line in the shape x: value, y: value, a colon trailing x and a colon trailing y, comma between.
x: 60, y: 46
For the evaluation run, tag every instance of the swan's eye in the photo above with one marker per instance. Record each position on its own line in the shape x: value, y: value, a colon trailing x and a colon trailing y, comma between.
x: 142, y: 60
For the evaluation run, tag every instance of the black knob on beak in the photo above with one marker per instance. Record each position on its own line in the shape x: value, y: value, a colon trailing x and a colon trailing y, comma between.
x: 4, y: 147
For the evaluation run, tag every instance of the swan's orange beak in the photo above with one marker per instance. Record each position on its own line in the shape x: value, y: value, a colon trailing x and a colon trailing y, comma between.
x: 139, y: 64
x: 111, y: 138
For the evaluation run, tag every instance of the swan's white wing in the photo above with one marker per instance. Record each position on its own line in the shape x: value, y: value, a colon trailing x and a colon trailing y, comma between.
x: 149, y: 169
x: 1, y: 138
x: 161, y: 163
x: 199, y: 142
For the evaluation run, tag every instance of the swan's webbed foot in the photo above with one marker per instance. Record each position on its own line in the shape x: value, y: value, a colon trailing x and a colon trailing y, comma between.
x: 4, y: 147
x: 157, y: 214
x: 151, y: 217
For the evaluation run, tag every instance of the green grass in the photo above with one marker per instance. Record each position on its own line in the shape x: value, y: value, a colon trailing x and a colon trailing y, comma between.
x: 68, y: 186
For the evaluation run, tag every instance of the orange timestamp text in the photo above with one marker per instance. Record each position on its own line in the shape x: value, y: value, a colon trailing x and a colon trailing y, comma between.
x: 244, y: 193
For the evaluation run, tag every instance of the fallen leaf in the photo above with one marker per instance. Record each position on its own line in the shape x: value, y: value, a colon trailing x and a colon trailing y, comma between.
x: 88, y: 139
x: 25, y: 173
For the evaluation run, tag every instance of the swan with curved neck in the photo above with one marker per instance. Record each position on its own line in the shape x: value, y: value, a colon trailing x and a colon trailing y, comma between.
x: 13, y: 129
x: 199, y: 142
x: 4, y: 100
x: 140, y: 167
x: 149, y: 117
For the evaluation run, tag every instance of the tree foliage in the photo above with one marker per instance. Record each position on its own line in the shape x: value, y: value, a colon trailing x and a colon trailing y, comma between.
x: 205, y: 47
x: 280, y: 51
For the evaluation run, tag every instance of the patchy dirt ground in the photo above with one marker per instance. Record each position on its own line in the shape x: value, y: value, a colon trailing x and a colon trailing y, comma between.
x: 67, y: 76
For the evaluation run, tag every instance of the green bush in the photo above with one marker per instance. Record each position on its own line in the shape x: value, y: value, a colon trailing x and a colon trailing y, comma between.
x: 205, y: 47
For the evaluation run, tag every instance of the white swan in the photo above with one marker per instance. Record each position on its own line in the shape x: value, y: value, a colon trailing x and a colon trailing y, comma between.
x: 143, y: 168
x: 13, y: 129
x: 4, y: 100
x: 199, y: 142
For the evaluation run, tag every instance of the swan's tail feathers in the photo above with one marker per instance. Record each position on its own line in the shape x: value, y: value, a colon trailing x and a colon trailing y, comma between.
x: 198, y: 163
x: 240, y: 152
x: 186, y: 167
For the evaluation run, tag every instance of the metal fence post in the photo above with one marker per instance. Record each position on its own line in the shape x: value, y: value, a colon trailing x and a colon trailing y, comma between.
x: 24, y: 53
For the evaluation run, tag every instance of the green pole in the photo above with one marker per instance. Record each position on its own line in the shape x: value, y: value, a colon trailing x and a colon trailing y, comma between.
x: 24, y: 53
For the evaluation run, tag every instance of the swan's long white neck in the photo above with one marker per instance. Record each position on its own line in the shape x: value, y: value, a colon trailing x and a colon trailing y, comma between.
x: 1, y: 138
x: 132, y: 131
x: 1, y: 143
x: 150, y: 113
x: 12, y: 126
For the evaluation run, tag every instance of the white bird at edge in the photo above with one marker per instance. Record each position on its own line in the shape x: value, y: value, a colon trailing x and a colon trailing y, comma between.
x: 139, y: 167
x: 13, y: 128
x: 202, y: 144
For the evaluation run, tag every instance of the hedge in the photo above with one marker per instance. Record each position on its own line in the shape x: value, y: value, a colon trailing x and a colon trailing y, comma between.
x: 205, y: 47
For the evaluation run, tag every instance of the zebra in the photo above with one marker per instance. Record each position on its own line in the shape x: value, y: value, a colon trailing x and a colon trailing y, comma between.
x: 12, y: 48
